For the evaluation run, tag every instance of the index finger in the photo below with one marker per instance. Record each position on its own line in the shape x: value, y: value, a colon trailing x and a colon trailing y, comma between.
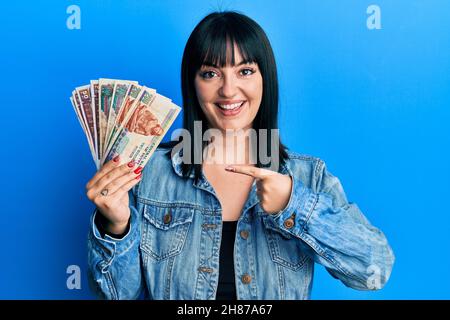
x: 251, y: 171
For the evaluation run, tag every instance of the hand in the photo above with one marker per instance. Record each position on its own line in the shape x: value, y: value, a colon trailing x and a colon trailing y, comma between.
x: 273, y: 189
x: 108, y: 190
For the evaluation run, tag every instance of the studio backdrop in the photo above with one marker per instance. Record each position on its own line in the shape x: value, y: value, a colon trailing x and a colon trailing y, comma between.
x: 364, y: 85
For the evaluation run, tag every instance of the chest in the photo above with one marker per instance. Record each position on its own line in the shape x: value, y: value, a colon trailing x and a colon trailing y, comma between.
x: 232, y: 189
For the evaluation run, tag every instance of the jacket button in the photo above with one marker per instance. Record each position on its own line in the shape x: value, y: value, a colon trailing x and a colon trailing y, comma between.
x: 246, y: 279
x: 167, y: 217
x: 209, y: 226
x: 205, y: 269
x: 244, y: 234
x: 288, y: 223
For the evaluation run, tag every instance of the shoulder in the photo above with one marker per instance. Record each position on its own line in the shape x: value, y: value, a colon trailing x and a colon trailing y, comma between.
x: 160, y: 162
x: 162, y: 155
x: 158, y: 175
x: 305, y: 162
x: 311, y: 170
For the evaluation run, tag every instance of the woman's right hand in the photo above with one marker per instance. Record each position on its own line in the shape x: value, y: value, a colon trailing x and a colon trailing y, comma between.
x: 108, y: 190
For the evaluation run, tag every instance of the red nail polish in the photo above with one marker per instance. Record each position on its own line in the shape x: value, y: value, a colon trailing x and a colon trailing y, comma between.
x: 138, y: 170
x: 138, y: 177
x: 131, y: 164
x: 116, y: 158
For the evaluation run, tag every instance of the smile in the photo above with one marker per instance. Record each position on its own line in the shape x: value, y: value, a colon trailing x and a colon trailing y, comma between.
x: 230, y: 109
x: 230, y: 106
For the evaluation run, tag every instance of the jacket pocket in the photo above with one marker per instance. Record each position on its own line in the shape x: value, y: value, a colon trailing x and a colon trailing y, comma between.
x: 284, y: 248
x: 164, y: 230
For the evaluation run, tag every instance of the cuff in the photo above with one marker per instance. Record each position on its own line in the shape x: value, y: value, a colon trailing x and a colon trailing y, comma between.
x: 110, y: 247
x: 294, y: 218
x: 100, y: 221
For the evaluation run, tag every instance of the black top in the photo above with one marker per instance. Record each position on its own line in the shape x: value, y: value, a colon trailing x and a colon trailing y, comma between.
x: 227, y: 288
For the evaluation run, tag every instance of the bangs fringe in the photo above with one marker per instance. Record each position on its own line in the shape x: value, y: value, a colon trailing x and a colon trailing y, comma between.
x: 217, y: 48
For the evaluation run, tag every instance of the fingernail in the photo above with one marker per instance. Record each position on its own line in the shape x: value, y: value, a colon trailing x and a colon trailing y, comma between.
x: 138, y: 177
x: 138, y: 170
x: 131, y: 164
x: 229, y: 168
x: 116, y: 158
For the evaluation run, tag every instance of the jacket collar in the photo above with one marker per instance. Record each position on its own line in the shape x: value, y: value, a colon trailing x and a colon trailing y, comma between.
x: 203, y: 183
x: 177, y: 160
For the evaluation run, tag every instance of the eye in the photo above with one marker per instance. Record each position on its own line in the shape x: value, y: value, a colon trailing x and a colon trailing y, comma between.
x: 247, y: 71
x: 208, y: 74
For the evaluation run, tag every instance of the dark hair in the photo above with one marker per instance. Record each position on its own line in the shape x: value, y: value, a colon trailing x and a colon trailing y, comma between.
x: 207, y: 44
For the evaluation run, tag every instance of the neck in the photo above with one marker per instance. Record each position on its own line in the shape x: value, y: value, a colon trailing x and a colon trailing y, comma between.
x: 231, y: 147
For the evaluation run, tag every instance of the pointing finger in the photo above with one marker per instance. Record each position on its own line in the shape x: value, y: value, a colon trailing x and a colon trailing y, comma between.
x: 251, y: 171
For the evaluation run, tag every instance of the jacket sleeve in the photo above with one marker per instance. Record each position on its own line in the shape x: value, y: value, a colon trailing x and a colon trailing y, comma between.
x: 335, y: 233
x: 114, y: 268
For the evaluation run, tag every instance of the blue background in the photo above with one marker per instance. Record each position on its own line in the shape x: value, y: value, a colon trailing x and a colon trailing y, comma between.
x: 374, y: 104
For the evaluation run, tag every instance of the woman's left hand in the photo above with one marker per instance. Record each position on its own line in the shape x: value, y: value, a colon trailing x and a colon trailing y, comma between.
x: 273, y: 189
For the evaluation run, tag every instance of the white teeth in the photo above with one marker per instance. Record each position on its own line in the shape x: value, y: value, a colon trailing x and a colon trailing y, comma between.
x: 230, y: 106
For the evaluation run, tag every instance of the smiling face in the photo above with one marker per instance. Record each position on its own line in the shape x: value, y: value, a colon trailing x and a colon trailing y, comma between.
x: 230, y: 96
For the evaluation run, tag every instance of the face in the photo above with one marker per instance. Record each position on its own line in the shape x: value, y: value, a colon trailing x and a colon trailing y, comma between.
x: 230, y: 96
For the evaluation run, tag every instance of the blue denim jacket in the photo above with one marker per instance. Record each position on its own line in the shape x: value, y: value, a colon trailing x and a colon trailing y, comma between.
x: 172, y: 248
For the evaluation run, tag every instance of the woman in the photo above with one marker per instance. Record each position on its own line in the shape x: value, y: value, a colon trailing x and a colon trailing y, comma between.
x: 234, y: 229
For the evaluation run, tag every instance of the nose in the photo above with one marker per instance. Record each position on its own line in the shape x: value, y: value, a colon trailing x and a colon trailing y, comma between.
x: 229, y: 86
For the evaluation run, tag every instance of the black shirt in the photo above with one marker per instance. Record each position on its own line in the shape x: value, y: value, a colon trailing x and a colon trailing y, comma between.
x: 227, y: 288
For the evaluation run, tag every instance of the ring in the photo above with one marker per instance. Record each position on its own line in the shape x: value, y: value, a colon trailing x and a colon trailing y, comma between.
x: 104, y: 192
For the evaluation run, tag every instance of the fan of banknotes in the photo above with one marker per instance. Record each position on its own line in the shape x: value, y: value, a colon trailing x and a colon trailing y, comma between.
x: 122, y: 118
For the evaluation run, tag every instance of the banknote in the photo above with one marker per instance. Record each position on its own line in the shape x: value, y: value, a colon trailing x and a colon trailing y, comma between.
x: 81, y: 117
x: 144, y: 97
x: 121, y: 89
x: 121, y: 117
x: 95, y: 109
x: 84, y: 94
x: 124, y: 113
x: 149, y: 122
x: 105, y: 93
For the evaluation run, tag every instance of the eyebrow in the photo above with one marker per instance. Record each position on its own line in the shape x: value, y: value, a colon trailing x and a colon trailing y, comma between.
x: 207, y: 64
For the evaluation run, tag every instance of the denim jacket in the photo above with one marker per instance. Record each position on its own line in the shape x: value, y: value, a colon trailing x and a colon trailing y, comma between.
x: 171, y: 250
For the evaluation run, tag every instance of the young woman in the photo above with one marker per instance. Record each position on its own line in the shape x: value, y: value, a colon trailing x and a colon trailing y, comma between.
x: 237, y: 228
